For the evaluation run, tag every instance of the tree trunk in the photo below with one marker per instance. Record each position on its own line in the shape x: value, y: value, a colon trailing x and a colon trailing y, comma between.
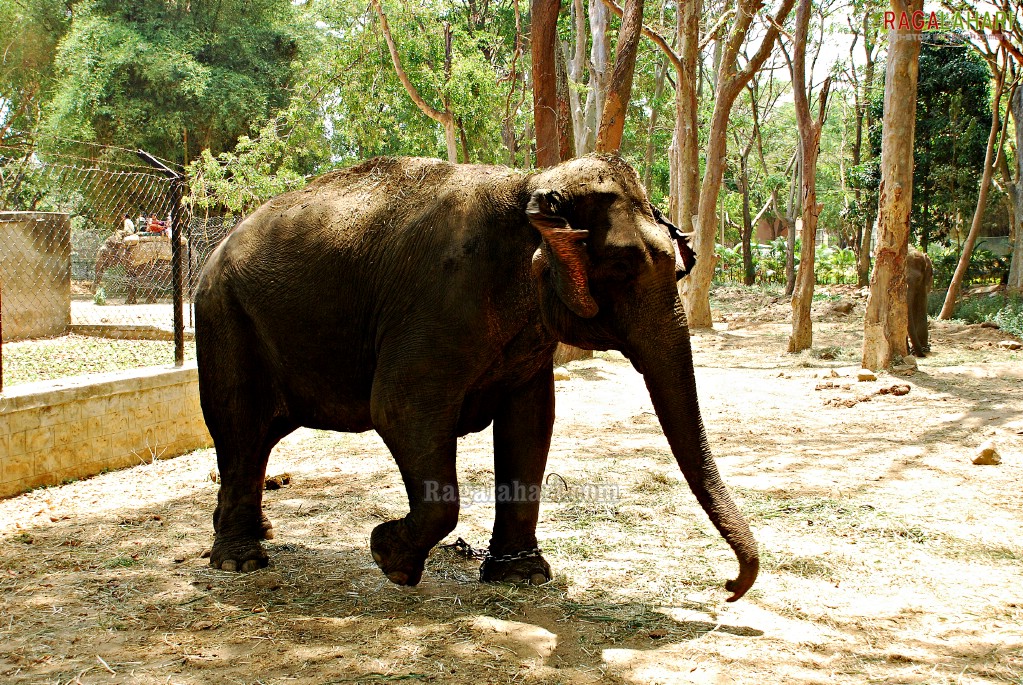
x: 544, y: 17
x: 749, y: 275
x: 790, y: 225
x: 612, y: 119
x: 1016, y: 261
x: 863, y: 258
x: 576, y: 69
x: 648, y: 158
x: 600, y: 49
x: 809, y: 141
x: 867, y: 230
x: 696, y: 287
x: 686, y: 151
x: 566, y: 133
x: 886, y: 324
x: 956, y: 285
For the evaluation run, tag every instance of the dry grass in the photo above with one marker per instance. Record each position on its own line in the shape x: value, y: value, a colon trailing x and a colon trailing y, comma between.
x: 887, y: 556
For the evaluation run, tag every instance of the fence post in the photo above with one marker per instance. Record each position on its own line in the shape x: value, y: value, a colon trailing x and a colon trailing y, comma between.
x: 177, y: 230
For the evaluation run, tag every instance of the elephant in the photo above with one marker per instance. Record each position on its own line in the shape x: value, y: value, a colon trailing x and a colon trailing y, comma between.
x: 919, y: 280
x: 147, y: 277
x: 425, y: 300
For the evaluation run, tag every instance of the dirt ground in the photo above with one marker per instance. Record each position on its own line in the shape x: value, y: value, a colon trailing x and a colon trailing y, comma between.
x: 887, y: 555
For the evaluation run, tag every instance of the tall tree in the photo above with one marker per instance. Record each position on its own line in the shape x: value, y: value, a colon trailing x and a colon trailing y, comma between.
x: 1014, y: 188
x: 1005, y: 62
x: 443, y: 117
x: 138, y: 73
x: 865, y: 28
x: 544, y: 32
x: 29, y: 35
x: 809, y: 143
x: 619, y: 92
x: 685, y: 151
x: 994, y: 144
x: 886, y: 322
x: 731, y: 80
x: 588, y: 74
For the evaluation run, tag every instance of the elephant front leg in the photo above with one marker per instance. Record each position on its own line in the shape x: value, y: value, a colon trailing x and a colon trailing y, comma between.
x: 522, y: 439
x: 422, y: 441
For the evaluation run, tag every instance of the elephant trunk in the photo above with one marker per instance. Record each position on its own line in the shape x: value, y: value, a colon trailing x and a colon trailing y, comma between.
x: 665, y: 359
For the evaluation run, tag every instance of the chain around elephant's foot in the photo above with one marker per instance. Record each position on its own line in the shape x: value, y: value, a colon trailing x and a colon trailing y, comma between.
x: 522, y: 567
x: 400, y: 561
x: 238, y: 554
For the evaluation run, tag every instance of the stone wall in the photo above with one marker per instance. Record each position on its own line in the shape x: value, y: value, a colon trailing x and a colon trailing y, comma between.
x: 35, y: 274
x: 60, y: 430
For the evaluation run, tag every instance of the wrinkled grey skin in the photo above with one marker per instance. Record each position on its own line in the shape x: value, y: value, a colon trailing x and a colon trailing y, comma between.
x: 919, y: 280
x: 424, y: 300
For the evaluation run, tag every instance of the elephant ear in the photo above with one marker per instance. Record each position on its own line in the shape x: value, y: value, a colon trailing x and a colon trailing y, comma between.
x: 685, y: 257
x: 564, y: 248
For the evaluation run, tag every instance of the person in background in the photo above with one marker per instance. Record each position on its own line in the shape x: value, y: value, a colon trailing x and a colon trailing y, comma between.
x: 129, y: 225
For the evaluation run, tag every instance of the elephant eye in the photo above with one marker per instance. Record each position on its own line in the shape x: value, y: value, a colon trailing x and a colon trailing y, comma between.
x: 619, y: 270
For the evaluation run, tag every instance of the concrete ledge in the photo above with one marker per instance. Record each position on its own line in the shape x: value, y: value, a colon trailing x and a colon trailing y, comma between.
x: 53, y: 431
x: 127, y: 331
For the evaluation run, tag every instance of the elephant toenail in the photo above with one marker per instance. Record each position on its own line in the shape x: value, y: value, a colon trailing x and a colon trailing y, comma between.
x: 268, y: 534
x: 538, y: 579
x: 513, y: 578
x: 229, y: 565
x: 250, y: 565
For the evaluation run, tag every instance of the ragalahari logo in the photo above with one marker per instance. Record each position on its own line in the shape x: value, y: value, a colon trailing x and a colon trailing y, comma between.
x: 980, y: 22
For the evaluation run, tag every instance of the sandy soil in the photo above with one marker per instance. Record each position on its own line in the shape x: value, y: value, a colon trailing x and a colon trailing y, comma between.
x: 888, y: 556
x: 84, y: 311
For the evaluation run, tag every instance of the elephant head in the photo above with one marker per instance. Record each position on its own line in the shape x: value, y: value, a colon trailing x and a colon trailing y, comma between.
x: 606, y: 274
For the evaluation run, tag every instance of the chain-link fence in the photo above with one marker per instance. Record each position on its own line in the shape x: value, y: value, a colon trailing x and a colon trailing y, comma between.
x: 87, y: 254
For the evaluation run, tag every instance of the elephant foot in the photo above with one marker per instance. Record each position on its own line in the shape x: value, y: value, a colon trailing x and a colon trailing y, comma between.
x: 400, y: 561
x: 522, y: 567
x: 236, y: 554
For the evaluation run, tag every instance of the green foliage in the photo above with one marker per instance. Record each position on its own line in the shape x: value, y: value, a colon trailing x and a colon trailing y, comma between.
x: 953, y: 115
x: 1010, y: 317
x: 278, y: 159
x: 100, y: 298
x: 139, y: 73
x: 832, y: 265
x: 367, y: 108
x: 984, y: 267
x: 835, y: 265
x: 1006, y: 311
x: 29, y: 34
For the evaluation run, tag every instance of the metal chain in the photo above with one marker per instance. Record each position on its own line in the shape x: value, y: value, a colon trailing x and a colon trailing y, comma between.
x: 462, y: 547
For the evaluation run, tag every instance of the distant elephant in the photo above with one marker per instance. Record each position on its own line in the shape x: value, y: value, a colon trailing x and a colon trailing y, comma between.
x: 425, y: 300
x: 919, y: 280
x: 149, y: 277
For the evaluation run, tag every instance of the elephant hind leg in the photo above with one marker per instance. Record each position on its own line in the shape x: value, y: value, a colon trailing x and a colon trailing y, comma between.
x: 246, y: 420
x: 239, y: 520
